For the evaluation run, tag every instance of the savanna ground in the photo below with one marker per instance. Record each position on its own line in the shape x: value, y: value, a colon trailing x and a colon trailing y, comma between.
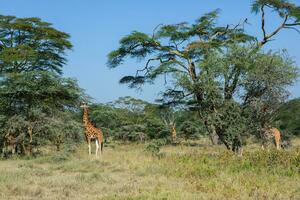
x: 127, y: 171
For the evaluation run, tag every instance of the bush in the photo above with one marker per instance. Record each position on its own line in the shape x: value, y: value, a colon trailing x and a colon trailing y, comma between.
x: 189, y: 130
x: 154, y: 147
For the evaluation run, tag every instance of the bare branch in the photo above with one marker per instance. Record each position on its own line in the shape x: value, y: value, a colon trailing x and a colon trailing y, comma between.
x: 154, y: 30
x: 263, y: 21
x: 293, y: 24
x: 146, y: 68
x: 293, y: 28
x: 267, y: 38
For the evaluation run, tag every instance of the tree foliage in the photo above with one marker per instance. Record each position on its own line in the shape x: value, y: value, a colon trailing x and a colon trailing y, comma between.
x: 288, y: 117
x: 31, y: 44
x: 220, y: 72
x: 288, y: 12
x: 37, y: 104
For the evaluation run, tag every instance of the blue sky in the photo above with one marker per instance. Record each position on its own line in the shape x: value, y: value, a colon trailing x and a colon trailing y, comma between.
x: 96, y: 26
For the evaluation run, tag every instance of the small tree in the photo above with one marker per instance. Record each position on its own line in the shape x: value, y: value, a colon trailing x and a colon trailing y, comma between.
x: 39, y: 98
x: 167, y: 115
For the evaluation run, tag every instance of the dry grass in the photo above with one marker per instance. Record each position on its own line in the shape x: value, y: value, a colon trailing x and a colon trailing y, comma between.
x: 128, y: 172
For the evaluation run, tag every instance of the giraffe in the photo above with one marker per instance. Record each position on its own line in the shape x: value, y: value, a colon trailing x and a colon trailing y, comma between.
x: 174, y: 132
x: 14, y: 142
x: 91, y: 132
x: 272, y: 133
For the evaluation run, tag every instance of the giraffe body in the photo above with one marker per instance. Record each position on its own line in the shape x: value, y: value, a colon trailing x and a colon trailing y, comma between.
x: 273, y: 133
x: 91, y: 132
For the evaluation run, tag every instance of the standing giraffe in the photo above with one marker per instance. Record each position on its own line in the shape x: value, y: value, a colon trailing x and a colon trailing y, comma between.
x: 174, y: 132
x: 91, y: 132
x: 272, y: 133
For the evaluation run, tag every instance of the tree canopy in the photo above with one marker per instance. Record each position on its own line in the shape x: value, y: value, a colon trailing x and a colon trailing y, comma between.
x: 220, y: 72
x: 28, y: 44
x: 34, y: 97
x: 288, y: 12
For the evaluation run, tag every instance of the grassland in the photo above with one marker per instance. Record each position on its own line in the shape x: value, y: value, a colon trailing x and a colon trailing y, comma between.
x: 127, y: 171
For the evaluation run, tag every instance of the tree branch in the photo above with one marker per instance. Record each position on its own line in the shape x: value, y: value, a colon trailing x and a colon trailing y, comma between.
x: 293, y: 24
x: 263, y: 21
x: 293, y: 28
x: 146, y: 68
x: 154, y: 30
x: 267, y: 38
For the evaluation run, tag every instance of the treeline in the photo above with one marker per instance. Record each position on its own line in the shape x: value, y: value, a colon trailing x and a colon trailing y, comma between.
x: 135, y: 120
x: 130, y: 119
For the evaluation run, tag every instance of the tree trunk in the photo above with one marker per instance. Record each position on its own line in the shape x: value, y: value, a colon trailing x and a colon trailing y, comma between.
x: 220, y: 133
x: 237, y: 145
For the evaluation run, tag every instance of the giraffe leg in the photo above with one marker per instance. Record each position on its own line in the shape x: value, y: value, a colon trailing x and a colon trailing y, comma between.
x: 14, y: 149
x: 97, y: 147
x: 101, y: 147
x: 89, y: 142
x: 277, y: 143
x: 278, y: 138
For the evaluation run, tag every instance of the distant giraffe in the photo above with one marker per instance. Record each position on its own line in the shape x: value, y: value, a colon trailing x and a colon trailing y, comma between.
x: 91, y: 132
x: 272, y: 133
x: 174, y: 132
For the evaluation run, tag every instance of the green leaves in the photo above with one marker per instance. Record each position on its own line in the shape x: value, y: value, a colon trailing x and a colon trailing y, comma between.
x: 177, y: 32
x: 215, y: 70
x: 289, y: 117
x: 39, y: 89
x: 136, y: 45
x: 174, y: 49
x: 279, y: 5
x: 29, y: 44
x: 282, y: 7
x: 133, y: 81
x: 32, y: 54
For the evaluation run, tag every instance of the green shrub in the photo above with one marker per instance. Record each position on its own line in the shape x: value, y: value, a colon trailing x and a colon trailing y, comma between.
x: 154, y: 147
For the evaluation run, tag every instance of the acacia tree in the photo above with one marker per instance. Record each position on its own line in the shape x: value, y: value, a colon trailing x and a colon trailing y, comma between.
x: 187, y: 53
x: 257, y: 90
x: 28, y: 44
x: 176, y: 49
x: 32, y: 54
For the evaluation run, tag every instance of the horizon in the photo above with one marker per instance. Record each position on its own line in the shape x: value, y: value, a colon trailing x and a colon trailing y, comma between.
x: 94, y: 34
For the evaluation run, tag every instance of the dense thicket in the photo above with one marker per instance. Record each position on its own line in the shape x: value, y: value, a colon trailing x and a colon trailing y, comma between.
x: 130, y: 119
x: 288, y: 118
x: 135, y: 120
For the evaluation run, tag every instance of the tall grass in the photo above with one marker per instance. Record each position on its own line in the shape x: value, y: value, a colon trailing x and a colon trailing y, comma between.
x: 130, y: 172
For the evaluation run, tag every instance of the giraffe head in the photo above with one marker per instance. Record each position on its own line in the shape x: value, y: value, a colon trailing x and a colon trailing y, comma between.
x: 85, y: 112
x: 84, y: 105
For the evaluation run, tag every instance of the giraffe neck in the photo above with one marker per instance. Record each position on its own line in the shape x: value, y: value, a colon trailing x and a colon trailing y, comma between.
x: 85, y: 117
